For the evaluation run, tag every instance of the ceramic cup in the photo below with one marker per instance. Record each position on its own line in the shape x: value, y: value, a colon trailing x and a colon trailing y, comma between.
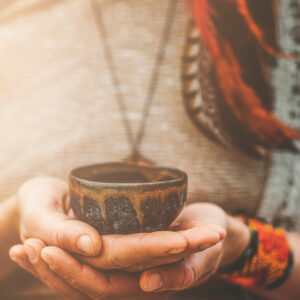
x: 123, y: 198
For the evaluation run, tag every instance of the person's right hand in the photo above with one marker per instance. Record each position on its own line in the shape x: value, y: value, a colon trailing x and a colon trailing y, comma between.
x: 45, y: 213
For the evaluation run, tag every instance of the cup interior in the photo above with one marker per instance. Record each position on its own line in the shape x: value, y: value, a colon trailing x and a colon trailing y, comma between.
x: 126, y: 173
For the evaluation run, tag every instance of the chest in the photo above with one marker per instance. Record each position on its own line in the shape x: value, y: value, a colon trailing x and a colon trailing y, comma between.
x: 57, y: 105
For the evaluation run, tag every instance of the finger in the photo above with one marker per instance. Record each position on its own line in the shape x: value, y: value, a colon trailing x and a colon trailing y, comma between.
x: 96, y: 284
x: 161, y: 261
x: 120, y: 251
x: 72, y: 235
x: 182, y: 275
x: 33, y: 248
x: 199, y: 239
x: 155, y: 262
x: 188, y: 224
x: 43, y: 216
x: 206, y: 213
x: 17, y: 254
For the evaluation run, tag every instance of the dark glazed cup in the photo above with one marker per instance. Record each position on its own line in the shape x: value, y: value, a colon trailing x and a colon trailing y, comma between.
x: 122, y: 198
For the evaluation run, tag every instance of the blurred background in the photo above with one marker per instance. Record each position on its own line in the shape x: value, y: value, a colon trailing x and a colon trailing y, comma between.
x: 219, y: 72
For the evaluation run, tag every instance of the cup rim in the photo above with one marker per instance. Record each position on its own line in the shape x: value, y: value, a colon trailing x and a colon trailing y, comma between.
x: 182, y: 176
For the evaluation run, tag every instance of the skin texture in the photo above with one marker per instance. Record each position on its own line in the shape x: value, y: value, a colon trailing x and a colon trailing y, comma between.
x: 127, y: 267
x: 43, y: 213
x: 8, y: 234
x: 197, y: 261
x: 44, y: 209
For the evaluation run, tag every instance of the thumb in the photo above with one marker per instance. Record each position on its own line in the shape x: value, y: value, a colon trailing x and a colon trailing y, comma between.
x: 71, y: 235
x: 42, y: 215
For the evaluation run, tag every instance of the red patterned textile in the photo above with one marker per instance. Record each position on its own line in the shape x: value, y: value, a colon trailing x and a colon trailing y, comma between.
x: 243, y: 45
x: 266, y: 266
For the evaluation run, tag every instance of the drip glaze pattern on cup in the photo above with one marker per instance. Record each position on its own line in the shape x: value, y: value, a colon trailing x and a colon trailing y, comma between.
x: 121, y: 198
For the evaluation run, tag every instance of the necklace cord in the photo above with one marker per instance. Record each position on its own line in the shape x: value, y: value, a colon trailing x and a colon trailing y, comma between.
x: 135, y: 142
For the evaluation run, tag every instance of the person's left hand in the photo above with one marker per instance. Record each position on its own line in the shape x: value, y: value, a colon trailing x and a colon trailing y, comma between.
x: 198, y: 267
x: 70, y: 277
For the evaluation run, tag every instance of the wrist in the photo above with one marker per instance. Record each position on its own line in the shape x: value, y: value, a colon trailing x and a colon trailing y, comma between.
x: 267, y: 261
x: 236, y: 241
x: 10, y: 219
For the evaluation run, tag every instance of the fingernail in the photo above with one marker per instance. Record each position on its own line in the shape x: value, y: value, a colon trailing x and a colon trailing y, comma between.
x: 47, y: 259
x: 205, y: 246
x: 84, y: 244
x: 177, y: 250
x: 220, y: 231
x: 16, y: 259
x: 155, y: 282
x: 30, y: 252
x: 222, y: 234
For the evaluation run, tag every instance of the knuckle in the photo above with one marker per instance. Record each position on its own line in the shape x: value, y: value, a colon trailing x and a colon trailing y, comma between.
x: 140, y: 267
x: 55, y: 268
x: 54, y: 236
x: 144, y: 248
x: 113, y: 259
x: 116, y: 262
x: 71, y: 279
x: 58, y: 237
x: 137, y: 267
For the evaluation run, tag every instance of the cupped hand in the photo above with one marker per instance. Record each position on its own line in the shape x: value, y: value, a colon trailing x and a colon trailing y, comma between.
x: 140, y: 251
x: 75, y: 280
x: 68, y: 276
x: 198, y: 267
x: 45, y: 213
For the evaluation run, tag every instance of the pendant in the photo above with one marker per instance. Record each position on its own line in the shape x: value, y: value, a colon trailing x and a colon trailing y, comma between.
x: 139, y: 159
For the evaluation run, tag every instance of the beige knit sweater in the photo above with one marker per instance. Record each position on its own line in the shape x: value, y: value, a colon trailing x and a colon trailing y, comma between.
x: 58, y: 111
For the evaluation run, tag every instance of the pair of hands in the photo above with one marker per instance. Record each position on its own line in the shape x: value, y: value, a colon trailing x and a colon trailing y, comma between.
x: 71, y: 257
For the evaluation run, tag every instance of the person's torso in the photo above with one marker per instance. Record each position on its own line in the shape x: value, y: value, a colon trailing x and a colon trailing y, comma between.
x: 58, y: 109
